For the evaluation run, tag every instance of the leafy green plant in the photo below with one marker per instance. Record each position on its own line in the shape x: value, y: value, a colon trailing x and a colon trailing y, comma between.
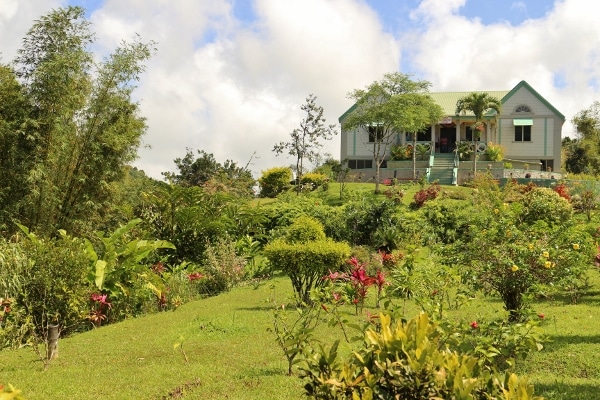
x: 404, y: 360
x: 118, y: 268
x: 314, y: 180
x: 223, y: 267
x: 497, y: 344
x: 401, y: 152
x: 544, y: 204
x: 293, y: 335
x: 464, y: 150
x: 422, y: 151
x: 495, y: 152
x: 47, y: 279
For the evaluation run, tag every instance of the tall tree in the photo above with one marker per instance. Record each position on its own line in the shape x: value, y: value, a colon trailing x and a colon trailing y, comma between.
x: 305, y: 142
x: 14, y: 160
x: 583, y: 153
x: 478, y: 103
x: 82, y: 126
x: 388, y: 107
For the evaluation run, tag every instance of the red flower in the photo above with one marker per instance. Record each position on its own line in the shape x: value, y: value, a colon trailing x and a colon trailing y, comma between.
x: 194, y: 276
x: 354, y: 262
x: 474, y: 325
x: 541, y: 316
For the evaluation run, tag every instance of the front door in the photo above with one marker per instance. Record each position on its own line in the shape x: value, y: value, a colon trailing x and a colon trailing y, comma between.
x: 447, y: 139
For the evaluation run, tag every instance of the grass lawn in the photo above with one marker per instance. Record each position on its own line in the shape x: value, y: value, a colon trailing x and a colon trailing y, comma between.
x: 231, y: 354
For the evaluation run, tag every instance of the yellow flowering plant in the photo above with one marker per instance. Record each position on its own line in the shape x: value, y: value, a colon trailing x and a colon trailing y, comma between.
x: 512, y: 259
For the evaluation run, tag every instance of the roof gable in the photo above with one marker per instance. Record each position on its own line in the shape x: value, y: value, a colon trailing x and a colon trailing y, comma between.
x: 527, y: 86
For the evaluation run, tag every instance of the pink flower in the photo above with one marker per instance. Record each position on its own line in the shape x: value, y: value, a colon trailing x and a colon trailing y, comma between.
x: 100, y: 298
x: 334, y: 276
x: 474, y: 325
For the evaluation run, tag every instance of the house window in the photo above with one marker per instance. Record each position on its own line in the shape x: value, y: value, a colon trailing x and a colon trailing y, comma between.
x: 360, y: 164
x: 523, y: 133
x: 523, y: 108
x: 375, y: 133
x: 424, y: 135
x: 522, y: 129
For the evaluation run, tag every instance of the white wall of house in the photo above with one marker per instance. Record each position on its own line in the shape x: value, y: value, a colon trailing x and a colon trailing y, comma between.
x: 545, y: 132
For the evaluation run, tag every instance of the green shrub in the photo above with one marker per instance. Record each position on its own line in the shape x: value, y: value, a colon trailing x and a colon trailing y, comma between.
x: 314, y: 180
x: 305, y: 263
x: 47, y: 280
x: 464, y: 150
x: 506, y: 257
x: 404, y: 360
x: 223, y: 267
x: 304, y: 229
x: 364, y: 217
x: 544, y: 204
x: 274, y: 181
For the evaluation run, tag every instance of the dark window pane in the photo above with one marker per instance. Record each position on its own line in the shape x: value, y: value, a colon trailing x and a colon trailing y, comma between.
x: 424, y: 135
x: 352, y: 164
x: 527, y: 133
x: 375, y: 133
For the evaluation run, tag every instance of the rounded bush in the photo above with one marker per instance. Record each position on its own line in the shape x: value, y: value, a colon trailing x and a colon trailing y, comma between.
x: 304, y: 229
x: 544, y: 204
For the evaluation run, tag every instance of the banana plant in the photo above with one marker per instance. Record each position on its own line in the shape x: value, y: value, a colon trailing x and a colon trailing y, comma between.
x: 121, y: 260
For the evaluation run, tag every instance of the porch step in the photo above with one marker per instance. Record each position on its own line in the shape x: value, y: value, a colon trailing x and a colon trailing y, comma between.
x: 442, y: 169
x: 443, y: 176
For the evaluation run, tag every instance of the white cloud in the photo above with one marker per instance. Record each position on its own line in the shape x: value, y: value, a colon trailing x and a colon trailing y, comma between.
x: 456, y: 53
x: 233, y: 87
x: 241, y: 91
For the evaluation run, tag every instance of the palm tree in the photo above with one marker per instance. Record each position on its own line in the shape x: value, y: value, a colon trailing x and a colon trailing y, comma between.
x: 478, y: 103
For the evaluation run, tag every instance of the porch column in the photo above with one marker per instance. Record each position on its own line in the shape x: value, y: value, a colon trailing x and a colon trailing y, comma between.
x: 432, y: 138
x: 457, y: 131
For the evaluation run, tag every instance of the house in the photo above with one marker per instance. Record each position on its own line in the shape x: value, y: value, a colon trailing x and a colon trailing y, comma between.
x: 529, y: 128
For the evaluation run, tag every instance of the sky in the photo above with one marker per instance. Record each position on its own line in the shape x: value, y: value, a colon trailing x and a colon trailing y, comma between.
x: 229, y: 76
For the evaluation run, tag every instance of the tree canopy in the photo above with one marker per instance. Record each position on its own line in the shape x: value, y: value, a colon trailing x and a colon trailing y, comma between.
x: 205, y: 171
x: 69, y: 125
x: 393, y: 105
x: 583, y: 152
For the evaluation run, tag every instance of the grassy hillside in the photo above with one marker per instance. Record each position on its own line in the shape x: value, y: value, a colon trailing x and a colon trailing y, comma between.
x: 231, y: 353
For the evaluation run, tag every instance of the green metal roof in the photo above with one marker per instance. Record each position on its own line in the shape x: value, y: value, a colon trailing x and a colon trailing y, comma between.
x: 448, y: 100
